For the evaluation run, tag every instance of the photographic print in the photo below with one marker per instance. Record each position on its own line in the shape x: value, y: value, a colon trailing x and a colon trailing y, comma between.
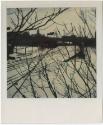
x: 51, y: 52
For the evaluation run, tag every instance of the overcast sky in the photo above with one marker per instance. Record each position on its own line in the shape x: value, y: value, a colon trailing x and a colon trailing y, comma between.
x: 67, y: 17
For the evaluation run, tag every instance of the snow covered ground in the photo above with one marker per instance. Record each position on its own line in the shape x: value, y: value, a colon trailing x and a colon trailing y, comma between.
x: 43, y: 73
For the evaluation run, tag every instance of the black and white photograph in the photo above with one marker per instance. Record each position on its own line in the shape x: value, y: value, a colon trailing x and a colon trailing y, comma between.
x: 51, y: 52
x: 51, y: 62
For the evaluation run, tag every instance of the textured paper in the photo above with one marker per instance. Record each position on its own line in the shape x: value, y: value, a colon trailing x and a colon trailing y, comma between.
x: 63, y: 110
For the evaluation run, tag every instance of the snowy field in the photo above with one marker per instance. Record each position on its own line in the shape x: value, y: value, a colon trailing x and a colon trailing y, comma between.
x: 44, y: 73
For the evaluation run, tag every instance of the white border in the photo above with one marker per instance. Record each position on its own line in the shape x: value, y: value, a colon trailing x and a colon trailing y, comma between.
x: 52, y: 110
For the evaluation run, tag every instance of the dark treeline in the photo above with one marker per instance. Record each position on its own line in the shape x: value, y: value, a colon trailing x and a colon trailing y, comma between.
x: 38, y: 40
x: 25, y: 39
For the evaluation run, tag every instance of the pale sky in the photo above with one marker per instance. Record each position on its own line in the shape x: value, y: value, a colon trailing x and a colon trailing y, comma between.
x: 67, y: 17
